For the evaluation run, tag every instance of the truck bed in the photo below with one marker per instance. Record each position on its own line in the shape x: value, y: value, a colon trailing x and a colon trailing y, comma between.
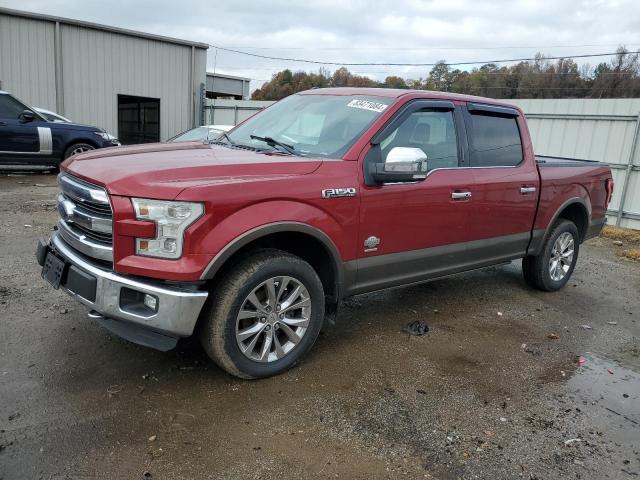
x: 547, y: 161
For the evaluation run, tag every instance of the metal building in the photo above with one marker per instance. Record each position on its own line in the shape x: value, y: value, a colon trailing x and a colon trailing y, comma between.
x: 227, y: 86
x: 139, y: 86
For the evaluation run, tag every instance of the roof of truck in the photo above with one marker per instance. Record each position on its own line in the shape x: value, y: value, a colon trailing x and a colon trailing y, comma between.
x: 397, y: 93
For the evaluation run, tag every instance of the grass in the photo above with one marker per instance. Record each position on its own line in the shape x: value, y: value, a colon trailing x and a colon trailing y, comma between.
x: 632, y: 253
x: 623, y: 234
x: 628, y: 236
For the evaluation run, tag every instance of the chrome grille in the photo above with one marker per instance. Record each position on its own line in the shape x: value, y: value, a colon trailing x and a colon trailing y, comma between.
x: 85, y: 217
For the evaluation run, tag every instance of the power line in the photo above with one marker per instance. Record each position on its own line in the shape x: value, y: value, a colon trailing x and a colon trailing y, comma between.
x: 507, y: 47
x: 452, y: 64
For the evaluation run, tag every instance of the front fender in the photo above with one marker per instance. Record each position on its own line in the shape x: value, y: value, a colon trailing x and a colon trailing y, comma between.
x: 258, y: 220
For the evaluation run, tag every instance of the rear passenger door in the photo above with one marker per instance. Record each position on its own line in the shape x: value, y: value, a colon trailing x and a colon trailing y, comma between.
x: 505, y: 182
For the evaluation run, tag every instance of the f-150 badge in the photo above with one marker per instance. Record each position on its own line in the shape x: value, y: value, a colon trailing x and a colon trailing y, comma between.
x: 339, y: 192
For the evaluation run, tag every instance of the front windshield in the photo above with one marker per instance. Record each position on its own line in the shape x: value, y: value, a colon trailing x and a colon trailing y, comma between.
x: 312, y: 125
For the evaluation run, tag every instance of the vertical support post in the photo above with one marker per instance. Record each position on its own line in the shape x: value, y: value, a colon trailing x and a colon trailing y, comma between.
x: 203, y: 104
x: 627, y: 177
x: 192, y: 93
x: 57, y: 65
x: 235, y: 114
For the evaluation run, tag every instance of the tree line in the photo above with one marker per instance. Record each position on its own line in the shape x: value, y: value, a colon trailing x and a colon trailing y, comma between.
x: 539, y: 78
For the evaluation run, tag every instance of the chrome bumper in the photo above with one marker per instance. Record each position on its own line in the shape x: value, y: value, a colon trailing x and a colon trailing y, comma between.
x: 177, y: 308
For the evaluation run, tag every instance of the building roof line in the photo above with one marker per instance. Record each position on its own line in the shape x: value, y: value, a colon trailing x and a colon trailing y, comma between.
x: 98, y: 26
x: 224, y: 75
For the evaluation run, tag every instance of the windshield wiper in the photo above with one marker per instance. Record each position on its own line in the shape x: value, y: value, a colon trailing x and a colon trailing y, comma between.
x: 272, y: 142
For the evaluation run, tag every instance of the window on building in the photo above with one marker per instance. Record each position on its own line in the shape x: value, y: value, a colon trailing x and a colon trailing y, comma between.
x: 138, y: 119
x: 495, y: 141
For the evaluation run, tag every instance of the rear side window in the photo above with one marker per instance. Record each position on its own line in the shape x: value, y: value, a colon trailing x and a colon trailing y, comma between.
x: 10, y: 108
x: 495, y: 141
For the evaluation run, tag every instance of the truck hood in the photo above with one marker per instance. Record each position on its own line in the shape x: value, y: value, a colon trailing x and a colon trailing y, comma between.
x: 163, y: 170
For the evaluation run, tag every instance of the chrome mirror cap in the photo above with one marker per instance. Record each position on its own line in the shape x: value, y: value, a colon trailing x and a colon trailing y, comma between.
x: 406, y: 160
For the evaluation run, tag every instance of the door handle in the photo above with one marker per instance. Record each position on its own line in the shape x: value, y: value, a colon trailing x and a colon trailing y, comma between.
x: 460, y: 195
x: 525, y: 190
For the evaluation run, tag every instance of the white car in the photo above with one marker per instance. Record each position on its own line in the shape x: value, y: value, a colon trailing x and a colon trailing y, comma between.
x: 201, y: 134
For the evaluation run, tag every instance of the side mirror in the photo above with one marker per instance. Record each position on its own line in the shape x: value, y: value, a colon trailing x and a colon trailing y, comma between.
x: 27, y: 116
x: 403, y: 164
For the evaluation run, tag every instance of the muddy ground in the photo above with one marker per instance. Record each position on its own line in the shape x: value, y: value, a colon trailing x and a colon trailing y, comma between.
x: 489, y: 392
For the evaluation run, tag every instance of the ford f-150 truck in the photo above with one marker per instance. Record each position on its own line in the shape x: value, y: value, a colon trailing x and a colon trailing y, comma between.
x: 29, y: 140
x: 251, y: 241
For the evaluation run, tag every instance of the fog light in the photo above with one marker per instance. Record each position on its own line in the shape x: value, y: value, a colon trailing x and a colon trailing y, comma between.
x: 151, y: 302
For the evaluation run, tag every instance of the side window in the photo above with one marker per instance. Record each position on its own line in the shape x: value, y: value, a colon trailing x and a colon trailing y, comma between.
x: 432, y: 131
x: 495, y: 141
x: 10, y: 108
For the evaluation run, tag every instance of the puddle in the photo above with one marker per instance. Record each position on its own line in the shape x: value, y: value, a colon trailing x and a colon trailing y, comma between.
x: 610, y: 395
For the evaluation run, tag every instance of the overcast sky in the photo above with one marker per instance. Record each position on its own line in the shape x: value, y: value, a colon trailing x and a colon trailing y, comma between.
x: 398, y: 31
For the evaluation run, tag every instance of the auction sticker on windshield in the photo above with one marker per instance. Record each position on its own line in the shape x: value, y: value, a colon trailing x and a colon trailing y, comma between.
x: 367, y: 105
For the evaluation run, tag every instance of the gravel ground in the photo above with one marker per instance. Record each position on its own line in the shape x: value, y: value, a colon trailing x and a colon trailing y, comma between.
x: 494, y: 390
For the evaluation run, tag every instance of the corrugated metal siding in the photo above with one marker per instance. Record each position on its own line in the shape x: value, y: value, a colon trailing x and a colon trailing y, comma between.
x: 26, y: 60
x: 231, y: 112
x: 97, y: 66
x: 557, y: 129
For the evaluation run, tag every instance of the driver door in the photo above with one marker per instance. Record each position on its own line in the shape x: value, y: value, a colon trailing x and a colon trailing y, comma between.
x: 416, y: 230
x: 19, y: 138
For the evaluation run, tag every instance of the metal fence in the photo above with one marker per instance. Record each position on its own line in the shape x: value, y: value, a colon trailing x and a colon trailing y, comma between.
x: 589, y: 129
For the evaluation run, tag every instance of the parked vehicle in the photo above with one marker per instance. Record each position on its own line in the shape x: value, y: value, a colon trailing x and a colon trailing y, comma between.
x: 52, y: 116
x: 29, y: 140
x: 251, y: 242
x: 201, y: 134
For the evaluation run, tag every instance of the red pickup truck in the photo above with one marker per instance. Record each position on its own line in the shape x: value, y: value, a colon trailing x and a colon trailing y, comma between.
x: 252, y: 240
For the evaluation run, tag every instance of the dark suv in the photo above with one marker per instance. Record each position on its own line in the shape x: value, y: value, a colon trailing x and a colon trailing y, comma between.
x: 27, y: 139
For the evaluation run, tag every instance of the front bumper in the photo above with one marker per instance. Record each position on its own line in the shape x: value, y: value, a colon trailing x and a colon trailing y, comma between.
x: 117, y: 302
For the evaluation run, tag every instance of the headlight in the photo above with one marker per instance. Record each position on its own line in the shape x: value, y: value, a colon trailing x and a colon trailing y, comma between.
x: 171, y: 219
x: 108, y: 137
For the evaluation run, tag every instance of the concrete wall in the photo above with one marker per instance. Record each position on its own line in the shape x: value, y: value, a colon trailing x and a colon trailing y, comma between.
x: 79, y: 69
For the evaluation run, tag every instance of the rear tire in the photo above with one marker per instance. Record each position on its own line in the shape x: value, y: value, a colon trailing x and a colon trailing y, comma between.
x: 250, y: 328
x: 552, y: 268
x: 77, y: 148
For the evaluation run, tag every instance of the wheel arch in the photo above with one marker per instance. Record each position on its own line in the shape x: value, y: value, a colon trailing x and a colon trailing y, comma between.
x: 576, y: 209
x: 301, y: 239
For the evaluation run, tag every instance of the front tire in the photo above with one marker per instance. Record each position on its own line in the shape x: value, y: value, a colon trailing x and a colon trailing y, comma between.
x: 553, y: 267
x: 77, y: 148
x: 264, y: 315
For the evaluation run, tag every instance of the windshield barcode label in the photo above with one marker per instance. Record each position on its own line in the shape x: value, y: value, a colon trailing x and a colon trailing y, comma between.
x: 367, y: 105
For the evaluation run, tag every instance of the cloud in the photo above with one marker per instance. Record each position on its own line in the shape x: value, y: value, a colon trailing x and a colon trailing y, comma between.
x: 395, y: 31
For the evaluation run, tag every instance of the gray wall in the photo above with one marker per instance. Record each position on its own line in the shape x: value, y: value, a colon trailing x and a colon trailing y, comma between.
x: 593, y: 129
x: 95, y: 65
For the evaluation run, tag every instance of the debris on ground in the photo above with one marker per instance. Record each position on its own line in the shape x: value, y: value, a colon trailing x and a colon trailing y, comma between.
x: 152, y: 438
x: 113, y: 389
x: 581, y: 360
x: 612, y: 323
x: 610, y: 370
x: 26, y: 225
x: 553, y: 336
x: 14, y: 415
x: 416, y: 328
x: 586, y: 327
x: 571, y: 441
x: 617, y: 243
x: 499, y: 314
